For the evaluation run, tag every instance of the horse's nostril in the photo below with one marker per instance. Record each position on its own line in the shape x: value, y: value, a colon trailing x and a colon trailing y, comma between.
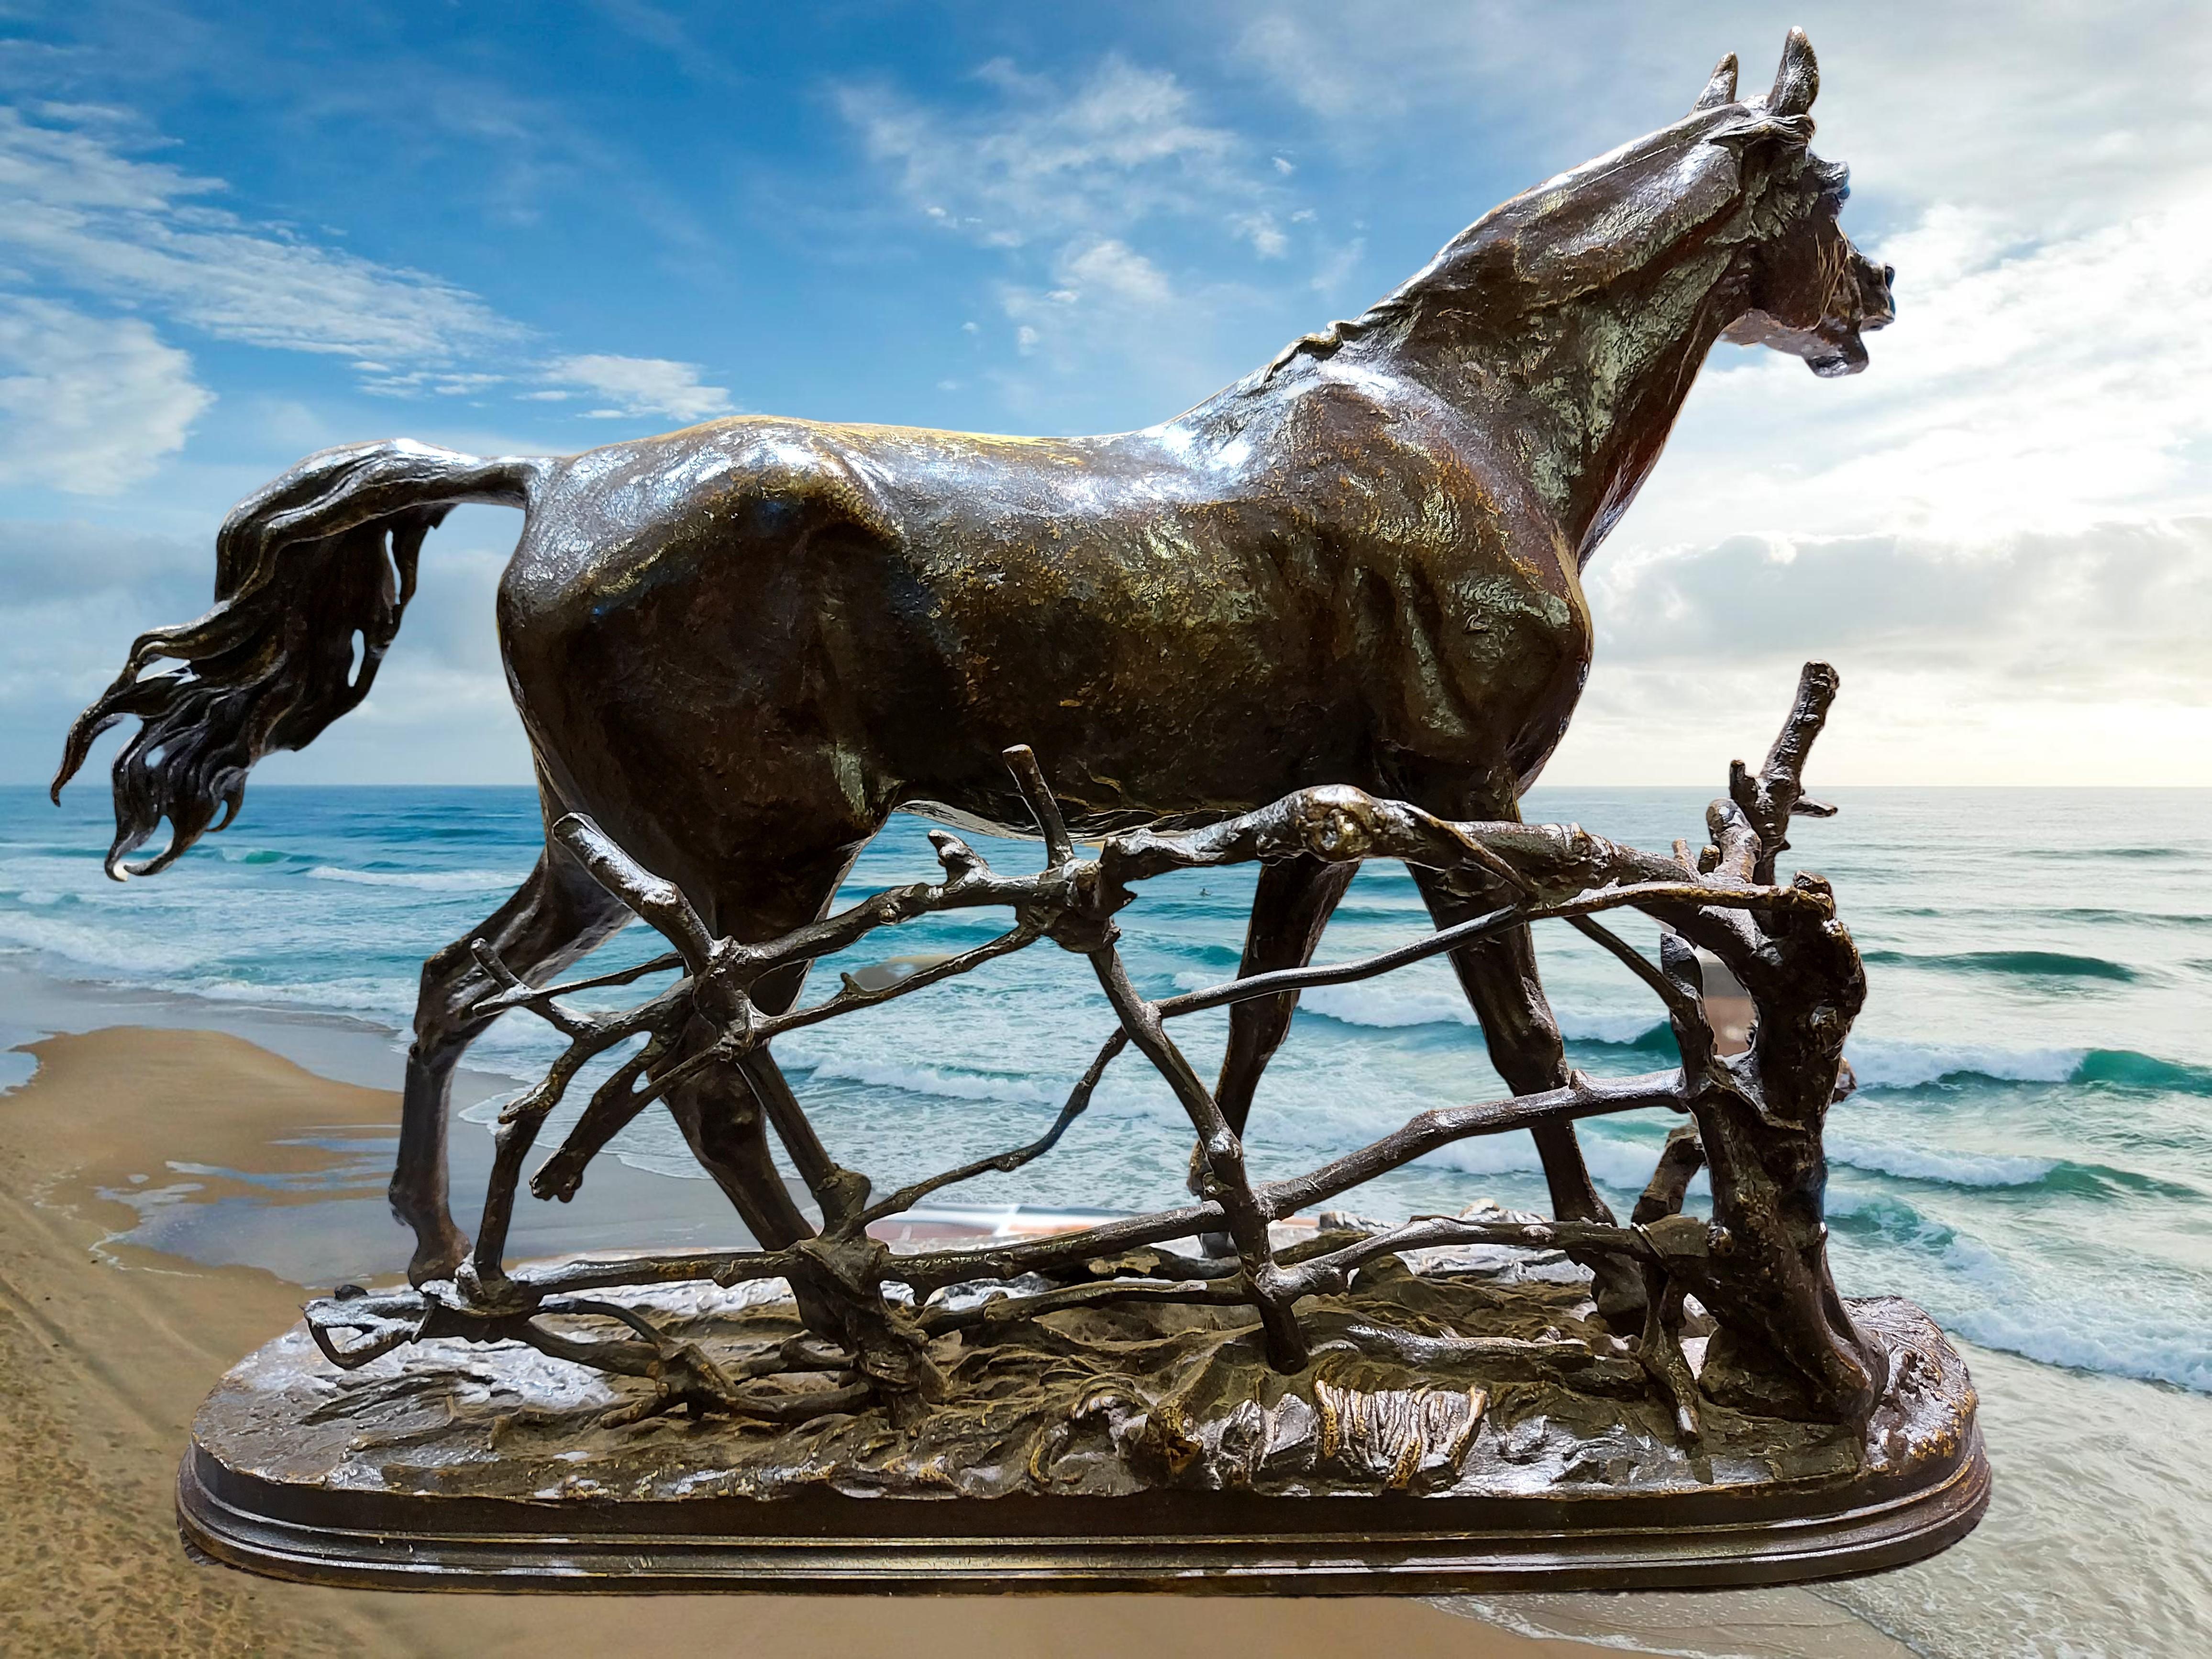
x: 1889, y: 276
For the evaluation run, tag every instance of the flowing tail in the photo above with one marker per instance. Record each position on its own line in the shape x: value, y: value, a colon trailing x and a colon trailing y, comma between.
x: 313, y: 569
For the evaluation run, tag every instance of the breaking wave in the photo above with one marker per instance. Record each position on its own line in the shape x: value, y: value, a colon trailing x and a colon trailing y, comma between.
x: 1949, y: 1168
x: 1912, y: 1066
x: 2023, y: 964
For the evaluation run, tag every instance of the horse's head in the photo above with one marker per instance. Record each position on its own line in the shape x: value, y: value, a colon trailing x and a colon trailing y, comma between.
x: 1805, y: 289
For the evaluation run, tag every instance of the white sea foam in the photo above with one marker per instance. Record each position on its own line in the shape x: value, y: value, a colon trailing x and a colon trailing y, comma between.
x: 119, y: 948
x: 1578, y: 1025
x: 1951, y: 1167
x: 1625, y: 1165
x: 2014, y: 1310
x: 677, y: 1166
x: 424, y: 881
x: 2175, y: 1352
x: 934, y: 1080
x: 386, y: 1002
x: 488, y: 1110
x: 1487, y: 1155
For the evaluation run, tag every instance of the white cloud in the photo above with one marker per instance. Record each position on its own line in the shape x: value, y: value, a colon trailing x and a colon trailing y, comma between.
x: 1924, y: 722
x: 641, y: 385
x: 88, y: 405
x: 1099, y: 289
x: 2037, y: 386
x: 75, y: 594
x: 1120, y: 147
x: 1262, y: 231
x: 1998, y: 531
x: 1116, y: 271
x: 2120, y: 607
x: 84, y: 213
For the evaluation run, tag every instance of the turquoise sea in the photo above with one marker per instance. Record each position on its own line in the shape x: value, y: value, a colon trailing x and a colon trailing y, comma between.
x: 2029, y: 1155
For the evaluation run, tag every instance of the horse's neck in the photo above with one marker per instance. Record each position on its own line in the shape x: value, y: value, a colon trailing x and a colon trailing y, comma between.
x: 1586, y: 389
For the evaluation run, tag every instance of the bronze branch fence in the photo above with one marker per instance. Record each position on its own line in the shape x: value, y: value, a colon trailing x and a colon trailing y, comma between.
x: 870, y: 1313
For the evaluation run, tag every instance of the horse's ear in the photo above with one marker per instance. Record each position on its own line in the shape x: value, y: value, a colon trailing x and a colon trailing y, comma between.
x: 1798, y: 82
x: 1721, y: 90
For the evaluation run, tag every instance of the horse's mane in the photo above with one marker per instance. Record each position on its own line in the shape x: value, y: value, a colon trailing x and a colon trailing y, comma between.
x: 1555, y: 242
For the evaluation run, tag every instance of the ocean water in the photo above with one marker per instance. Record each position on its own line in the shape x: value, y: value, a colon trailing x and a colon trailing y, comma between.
x: 2029, y: 1155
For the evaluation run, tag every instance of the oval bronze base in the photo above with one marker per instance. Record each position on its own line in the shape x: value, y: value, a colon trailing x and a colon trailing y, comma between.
x: 1194, y: 1542
x: 449, y: 1466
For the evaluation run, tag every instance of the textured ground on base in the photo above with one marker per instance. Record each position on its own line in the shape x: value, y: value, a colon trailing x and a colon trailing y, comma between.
x: 1482, y: 1375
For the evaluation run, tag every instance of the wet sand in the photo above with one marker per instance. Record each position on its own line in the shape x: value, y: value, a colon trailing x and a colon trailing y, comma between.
x: 106, y: 1349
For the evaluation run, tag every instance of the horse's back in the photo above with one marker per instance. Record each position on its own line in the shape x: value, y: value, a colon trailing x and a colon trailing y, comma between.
x: 818, y: 623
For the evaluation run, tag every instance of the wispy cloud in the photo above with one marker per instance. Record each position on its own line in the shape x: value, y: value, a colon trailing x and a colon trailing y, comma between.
x: 85, y: 213
x: 88, y: 405
x: 2121, y: 606
x: 1046, y: 159
x: 2023, y: 387
x: 92, y: 403
x: 636, y: 385
x: 2061, y: 113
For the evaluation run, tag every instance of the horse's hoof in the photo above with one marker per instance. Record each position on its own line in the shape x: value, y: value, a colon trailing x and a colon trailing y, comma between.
x: 439, y: 1261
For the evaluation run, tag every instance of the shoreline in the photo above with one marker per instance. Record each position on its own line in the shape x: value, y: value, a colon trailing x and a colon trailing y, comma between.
x: 107, y: 1346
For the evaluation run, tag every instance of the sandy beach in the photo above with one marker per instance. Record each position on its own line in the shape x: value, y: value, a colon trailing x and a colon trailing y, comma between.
x: 107, y: 1348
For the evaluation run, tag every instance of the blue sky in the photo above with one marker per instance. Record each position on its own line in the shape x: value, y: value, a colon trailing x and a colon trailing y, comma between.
x: 231, y: 236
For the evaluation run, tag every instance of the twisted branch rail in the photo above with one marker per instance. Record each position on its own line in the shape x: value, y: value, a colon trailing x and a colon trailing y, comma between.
x: 1759, y: 1265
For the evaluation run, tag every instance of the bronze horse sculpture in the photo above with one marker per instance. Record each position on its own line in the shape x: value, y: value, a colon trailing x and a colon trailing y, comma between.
x: 739, y: 647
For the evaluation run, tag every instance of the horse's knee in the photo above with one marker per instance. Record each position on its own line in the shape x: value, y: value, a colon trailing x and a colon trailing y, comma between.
x: 449, y: 986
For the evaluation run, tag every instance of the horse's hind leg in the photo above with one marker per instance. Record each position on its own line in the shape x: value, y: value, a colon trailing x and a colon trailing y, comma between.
x: 1499, y: 977
x: 557, y: 915
x: 724, y: 1111
x: 1291, y: 905
x: 718, y: 1111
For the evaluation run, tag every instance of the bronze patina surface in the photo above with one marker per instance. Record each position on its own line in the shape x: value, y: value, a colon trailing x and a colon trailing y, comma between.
x: 1093, y: 1448
x: 737, y: 648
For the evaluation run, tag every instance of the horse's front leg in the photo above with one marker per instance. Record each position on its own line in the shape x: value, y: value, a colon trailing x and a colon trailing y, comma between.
x: 1499, y: 977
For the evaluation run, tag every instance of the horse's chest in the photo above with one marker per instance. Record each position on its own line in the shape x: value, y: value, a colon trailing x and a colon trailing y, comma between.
x: 1485, y: 625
